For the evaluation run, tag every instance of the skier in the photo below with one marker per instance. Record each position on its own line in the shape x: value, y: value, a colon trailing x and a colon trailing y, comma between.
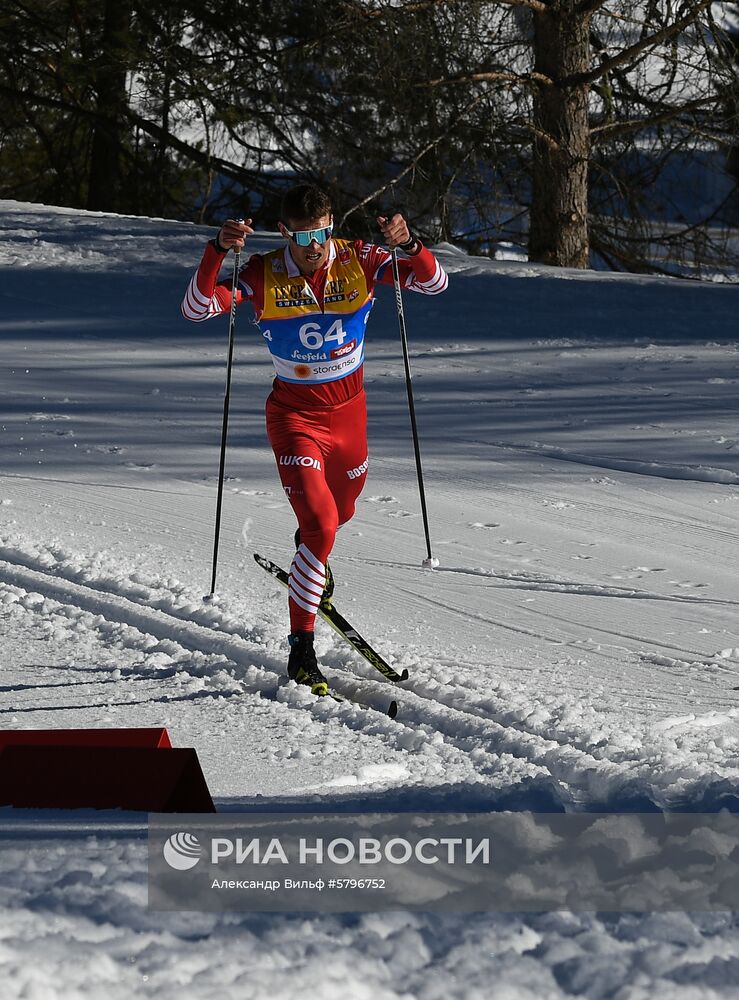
x: 312, y: 300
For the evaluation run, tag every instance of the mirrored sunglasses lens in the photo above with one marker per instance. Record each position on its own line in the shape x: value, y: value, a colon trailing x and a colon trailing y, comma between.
x: 306, y: 237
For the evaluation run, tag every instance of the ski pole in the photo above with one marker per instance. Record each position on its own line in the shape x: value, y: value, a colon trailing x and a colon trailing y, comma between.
x: 430, y: 561
x: 224, y: 426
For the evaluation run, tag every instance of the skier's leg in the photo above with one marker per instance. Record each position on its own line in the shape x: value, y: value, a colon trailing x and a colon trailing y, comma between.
x: 299, y: 442
x: 346, y: 465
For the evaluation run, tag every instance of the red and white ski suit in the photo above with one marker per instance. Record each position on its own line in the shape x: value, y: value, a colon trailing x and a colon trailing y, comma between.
x: 314, y: 328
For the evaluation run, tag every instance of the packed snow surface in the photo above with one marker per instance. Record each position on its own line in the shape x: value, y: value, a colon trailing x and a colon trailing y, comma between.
x: 577, y: 647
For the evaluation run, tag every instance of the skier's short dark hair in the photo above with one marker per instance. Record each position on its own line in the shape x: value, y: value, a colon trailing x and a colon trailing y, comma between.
x: 305, y: 202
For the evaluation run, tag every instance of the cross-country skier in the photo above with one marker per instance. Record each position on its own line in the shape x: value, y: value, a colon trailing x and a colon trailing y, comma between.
x: 312, y: 300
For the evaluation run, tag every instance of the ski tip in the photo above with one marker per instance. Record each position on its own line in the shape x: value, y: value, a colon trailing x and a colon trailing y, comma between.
x: 404, y: 674
x: 393, y: 710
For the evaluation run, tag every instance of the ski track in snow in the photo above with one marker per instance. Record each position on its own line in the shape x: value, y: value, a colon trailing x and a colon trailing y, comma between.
x: 701, y: 474
x: 541, y: 770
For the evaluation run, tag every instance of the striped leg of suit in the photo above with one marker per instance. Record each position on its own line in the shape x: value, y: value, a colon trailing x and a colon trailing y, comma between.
x: 306, y: 584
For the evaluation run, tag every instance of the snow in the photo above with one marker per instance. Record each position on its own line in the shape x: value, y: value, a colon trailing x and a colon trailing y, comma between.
x: 576, y: 648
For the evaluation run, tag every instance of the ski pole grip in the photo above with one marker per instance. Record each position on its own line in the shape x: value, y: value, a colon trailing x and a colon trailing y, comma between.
x: 237, y: 250
x: 390, y: 212
x: 412, y: 242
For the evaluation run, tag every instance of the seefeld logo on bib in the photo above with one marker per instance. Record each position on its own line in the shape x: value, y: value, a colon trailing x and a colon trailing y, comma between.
x: 182, y: 851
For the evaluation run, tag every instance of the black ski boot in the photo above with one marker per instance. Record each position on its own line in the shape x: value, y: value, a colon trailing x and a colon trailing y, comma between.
x: 302, y: 665
x: 328, y: 590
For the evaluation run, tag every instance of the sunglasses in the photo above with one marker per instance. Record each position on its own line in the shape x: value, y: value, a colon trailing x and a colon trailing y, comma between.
x: 304, y: 237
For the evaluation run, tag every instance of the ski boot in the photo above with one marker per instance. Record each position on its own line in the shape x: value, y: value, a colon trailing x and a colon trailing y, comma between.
x: 328, y: 590
x: 302, y: 665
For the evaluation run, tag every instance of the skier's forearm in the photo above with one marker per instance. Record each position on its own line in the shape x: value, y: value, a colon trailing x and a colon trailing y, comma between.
x: 420, y: 272
x: 422, y: 263
x: 203, y: 299
x: 209, y: 268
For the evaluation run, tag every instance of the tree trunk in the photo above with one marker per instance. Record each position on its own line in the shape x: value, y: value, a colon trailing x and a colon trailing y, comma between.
x: 561, y: 149
x: 109, y: 130
x: 732, y: 108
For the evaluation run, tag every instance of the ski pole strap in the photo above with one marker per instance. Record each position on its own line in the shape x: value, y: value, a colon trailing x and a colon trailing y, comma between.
x: 411, y: 246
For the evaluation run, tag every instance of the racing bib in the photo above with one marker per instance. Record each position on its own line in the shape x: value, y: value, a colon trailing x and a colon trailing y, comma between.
x: 307, y: 343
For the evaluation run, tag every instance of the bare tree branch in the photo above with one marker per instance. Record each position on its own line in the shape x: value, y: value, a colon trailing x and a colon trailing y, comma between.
x: 421, y: 5
x: 588, y: 7
x: 668, y: 32
x: 601, y: 133
x: 151, y: 128
x: 491, y: 77
x: 537, y: 133
x: 384, y: 187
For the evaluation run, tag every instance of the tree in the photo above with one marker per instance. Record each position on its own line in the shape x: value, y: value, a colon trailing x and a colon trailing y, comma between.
x: 111, y: 62
x: 588, y: 82
x: 84, y: 106
x: 556, y: 123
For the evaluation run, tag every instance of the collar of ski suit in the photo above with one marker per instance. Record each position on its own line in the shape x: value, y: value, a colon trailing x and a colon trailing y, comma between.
x: 293, y: 271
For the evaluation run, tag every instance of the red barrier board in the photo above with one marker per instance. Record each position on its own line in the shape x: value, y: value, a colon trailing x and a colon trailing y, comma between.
x: 154, y: 738
x: 144, y: 779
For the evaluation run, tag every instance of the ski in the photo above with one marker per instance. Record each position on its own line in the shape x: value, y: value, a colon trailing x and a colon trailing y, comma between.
x: 330, y: 692
x: 339, y: 624
x: 391, y: 711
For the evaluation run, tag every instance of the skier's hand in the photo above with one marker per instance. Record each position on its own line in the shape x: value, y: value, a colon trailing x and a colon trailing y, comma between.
x: 233, y: 234
x: 394, y: 230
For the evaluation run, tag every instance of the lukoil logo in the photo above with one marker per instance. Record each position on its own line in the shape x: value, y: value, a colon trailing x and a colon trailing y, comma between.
x: 307, y: 461
x: 182, y: 851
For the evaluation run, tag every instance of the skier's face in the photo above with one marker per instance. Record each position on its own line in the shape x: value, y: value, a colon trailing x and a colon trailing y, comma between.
x: 311, y: 258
